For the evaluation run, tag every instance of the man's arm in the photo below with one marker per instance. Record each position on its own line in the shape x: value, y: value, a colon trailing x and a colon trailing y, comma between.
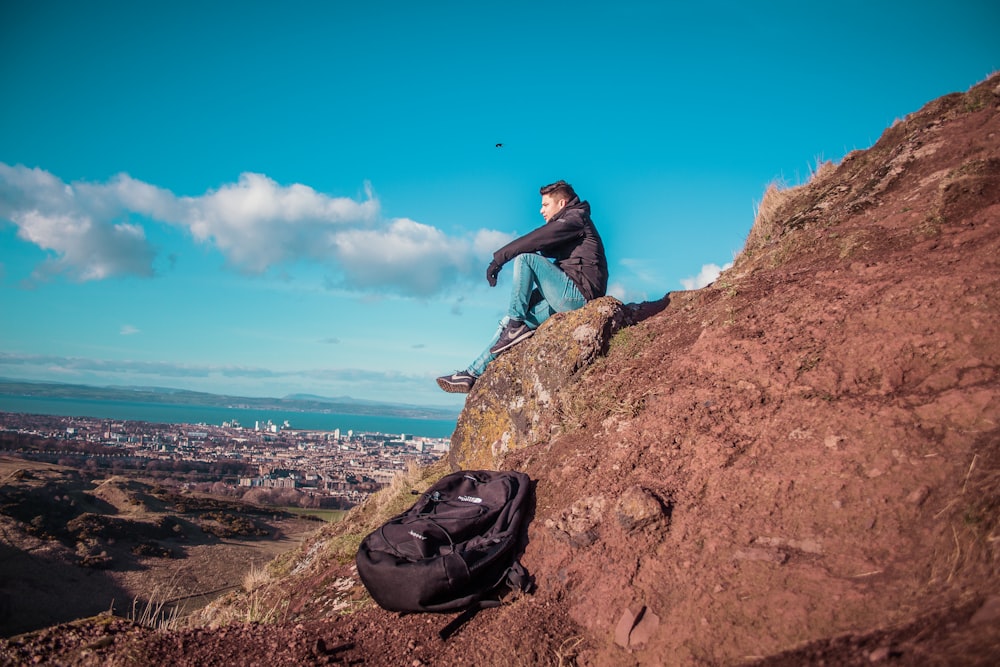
x: 549, y: 235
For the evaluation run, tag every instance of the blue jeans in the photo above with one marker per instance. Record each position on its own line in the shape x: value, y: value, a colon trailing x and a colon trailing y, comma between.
x: 540, y: 290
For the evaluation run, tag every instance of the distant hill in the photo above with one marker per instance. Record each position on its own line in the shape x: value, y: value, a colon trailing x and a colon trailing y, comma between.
x: 166, y: 396
x: 349, y: 400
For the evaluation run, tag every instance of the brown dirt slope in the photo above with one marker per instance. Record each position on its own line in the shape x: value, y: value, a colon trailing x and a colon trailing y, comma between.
x: 72, y: 546
x: 799, y: 464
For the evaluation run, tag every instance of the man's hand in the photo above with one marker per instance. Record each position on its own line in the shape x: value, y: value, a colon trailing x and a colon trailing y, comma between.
x: 492, y: 271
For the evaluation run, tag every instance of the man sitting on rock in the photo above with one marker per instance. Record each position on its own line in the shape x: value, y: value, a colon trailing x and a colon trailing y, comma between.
x: 542, y: 288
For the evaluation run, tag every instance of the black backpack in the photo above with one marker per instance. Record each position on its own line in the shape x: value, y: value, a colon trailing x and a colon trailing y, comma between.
x: 455, y: 549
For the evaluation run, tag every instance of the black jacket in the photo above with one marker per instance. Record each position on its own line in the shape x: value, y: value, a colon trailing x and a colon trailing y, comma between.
x: 573, y: 242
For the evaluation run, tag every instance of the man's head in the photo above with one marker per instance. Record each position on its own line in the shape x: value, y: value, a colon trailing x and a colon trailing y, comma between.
x: 555, y: 196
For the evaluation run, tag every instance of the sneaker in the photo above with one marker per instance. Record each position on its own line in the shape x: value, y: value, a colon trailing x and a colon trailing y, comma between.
x: 459, y: 382
x: 511, y: 335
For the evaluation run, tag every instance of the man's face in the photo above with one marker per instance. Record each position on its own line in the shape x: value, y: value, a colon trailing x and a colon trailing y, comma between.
x: 551, y: 207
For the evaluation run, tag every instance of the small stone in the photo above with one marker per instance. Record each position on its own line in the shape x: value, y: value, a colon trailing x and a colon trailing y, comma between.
x: 583, y: 538
x: 644, y: 628
x: 918, y: 496
x: 636, y: 625
x: 638, y: 508
x: 879, y: 654
x: 833, y: 442
x: 625, y: 624
x: 808, y: 545
x: 580, y: 521
x: 766, y: 555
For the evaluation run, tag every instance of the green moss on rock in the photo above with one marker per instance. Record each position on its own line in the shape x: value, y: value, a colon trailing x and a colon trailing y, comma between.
x: 515, y: 404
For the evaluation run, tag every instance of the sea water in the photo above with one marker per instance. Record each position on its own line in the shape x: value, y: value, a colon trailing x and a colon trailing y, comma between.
x: 247, y: 417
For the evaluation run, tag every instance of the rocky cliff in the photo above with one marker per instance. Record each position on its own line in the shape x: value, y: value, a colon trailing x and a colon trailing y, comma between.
x: 797, y: 464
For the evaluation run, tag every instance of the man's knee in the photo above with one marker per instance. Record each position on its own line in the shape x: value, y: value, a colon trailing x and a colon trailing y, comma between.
x: 528, y: 258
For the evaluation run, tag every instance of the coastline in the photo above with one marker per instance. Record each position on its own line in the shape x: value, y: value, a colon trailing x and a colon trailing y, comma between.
x: 248, y: 417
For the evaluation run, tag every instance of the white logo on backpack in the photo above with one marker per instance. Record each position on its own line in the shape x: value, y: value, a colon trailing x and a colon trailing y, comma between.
x: 470, y: 499
x: 417, y: 535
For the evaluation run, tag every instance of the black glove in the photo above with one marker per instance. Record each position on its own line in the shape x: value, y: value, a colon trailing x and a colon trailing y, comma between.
x: 492, y: 271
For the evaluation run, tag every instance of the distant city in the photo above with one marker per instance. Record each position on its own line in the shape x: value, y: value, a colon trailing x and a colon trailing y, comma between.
x: 331, y: 468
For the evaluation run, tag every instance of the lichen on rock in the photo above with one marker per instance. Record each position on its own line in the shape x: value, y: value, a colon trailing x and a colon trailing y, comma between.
x: 515, y: 402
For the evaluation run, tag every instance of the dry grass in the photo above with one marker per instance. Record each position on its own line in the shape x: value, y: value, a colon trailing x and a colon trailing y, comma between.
x: 567, y: 652
x: 396, y: 497
x: 576, y: 411
x: 769, y: 215
x: 972, y: 515
x: 255, y: 578
x: 261, y: 610
x: 156, y: 611
x: 767, y: 224
x: 255, y: 603
x: 390, y: 501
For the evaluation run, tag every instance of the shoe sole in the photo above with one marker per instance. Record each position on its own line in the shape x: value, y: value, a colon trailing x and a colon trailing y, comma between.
x: 511, y: 343
x: 457, y: 388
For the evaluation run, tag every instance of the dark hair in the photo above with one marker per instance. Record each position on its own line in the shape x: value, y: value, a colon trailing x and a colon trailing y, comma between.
x: 559, y: 190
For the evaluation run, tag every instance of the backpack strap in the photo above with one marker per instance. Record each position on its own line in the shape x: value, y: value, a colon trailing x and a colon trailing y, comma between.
x: 457, y: 622
x: 516, y: 578
x: 466, y: 616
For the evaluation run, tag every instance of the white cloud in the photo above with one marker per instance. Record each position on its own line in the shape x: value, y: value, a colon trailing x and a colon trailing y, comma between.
x: 487, y: 241
x: 707, y: 275
x: 255, y: 223
x: 84, y: 228
x: 416, y: 258
x: 128, y: 330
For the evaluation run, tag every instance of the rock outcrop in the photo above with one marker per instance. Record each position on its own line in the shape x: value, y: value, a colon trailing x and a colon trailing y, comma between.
x: 524, y: 398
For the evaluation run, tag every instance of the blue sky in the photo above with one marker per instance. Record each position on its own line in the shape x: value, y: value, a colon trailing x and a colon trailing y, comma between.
x: 269, y: 198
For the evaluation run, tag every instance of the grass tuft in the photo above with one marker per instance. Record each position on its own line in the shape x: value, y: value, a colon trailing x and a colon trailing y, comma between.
x: 567, y: 652
x: 770, y: 216
x: 767, y: 224
x: 155, y: 612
